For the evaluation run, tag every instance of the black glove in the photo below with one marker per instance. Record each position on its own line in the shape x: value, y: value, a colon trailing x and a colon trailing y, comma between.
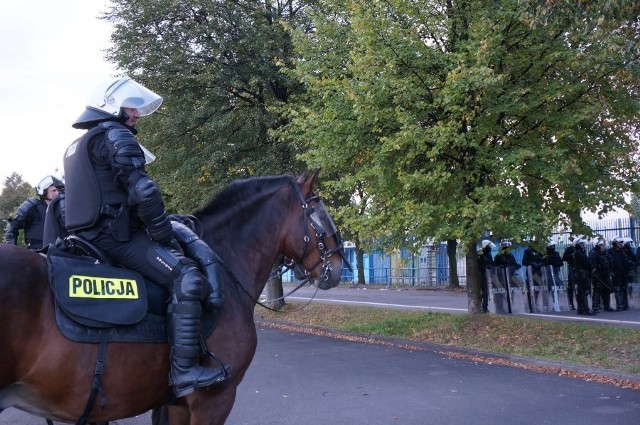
x: 160, y: 230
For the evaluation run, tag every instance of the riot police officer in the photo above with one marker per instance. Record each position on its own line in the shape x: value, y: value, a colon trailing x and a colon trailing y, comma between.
x: 582, y: 272
x: 485, y: 262
x: 601, y: 276
x: 568, y: 256
x: 112, y: 202
x: 634, y: 262
x: 30, y: 215
x: 620, y: 268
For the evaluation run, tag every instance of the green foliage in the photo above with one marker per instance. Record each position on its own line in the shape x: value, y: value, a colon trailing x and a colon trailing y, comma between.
x: 14, y: 192
x: 217, y: 64
x: 453, y: 118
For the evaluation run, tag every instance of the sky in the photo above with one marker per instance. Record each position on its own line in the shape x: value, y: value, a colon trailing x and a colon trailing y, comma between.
x: 51, y: 58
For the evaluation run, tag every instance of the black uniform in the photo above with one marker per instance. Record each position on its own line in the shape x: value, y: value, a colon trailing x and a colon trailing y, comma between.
x: 568, y: 256
x: 54, y: 227
x: 552, y: 262
x: 601, y: 279
x: 634, y: 262
x: 112, y: 202
x: 485, y: 262
x: 620, y: 267
x: 582, y: 273
x: 30, y: 217
x: 534, y: 261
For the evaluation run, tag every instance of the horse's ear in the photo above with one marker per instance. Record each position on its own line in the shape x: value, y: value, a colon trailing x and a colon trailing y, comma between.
x: 308, y: 181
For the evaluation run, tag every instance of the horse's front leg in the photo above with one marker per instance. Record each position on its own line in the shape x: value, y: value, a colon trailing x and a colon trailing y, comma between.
x: 211, y: 407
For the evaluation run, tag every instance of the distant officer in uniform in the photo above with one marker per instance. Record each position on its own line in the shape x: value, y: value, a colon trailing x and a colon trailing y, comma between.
x: 111, y: 201
x: 568, y: 256
x: 485, y: 262
x: 31, y: 214
x: 601, y: 277
x: 582, y: 269
x: 620, y: 267
x: 633, y: 270
x: 54, y: 226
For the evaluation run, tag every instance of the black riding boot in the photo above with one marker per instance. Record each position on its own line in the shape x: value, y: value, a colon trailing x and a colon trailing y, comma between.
x: 198, y: 250
x: 186, y: 374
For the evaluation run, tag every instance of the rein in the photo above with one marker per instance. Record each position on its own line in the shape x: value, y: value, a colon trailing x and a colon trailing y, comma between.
x: 296, y: 266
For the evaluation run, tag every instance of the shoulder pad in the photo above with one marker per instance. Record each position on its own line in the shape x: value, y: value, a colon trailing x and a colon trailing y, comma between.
x: 120, y: 134
x: 26, y: 208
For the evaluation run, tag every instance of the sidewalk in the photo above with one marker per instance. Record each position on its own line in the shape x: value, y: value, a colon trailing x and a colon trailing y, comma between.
x: 440, y: 299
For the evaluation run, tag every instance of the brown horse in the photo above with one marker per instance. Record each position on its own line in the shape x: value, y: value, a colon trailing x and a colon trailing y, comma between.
x: 251, y: 225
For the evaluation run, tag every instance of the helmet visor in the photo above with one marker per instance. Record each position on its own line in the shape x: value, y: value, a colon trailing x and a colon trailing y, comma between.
x: 126, y: 93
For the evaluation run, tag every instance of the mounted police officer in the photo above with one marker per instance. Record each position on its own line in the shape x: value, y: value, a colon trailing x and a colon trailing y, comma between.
x: 31, y: 214
x: 112, y: 202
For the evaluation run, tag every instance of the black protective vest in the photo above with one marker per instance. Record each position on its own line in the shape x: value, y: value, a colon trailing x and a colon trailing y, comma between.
x: 35, y: 226
x: 89, y: 182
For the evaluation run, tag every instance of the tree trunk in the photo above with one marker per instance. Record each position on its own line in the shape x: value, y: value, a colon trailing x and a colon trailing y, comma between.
x: 275, y: 292
x: 360, y: 262
x: 452, y: 248
x: 473, y: 281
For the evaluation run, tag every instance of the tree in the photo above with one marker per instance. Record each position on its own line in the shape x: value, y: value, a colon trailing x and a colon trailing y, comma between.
x: 217, y: 63
x: 14, y: 192
x: 462, y: 116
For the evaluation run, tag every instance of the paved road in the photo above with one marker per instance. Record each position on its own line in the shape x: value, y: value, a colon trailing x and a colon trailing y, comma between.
x: 299, y: 378
x: 439, y: 300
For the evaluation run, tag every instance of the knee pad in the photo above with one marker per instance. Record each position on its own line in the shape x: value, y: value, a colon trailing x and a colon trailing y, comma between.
x: 190, y: 284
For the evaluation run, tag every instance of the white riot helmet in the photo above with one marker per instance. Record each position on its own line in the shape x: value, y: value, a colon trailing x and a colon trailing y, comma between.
x: 486, y: 242
x: 599, y: 242
x: 618, y: 239
x: 46, y: 183
x: 505, y: 243
x: 110, y: 97
x: 628, y: 241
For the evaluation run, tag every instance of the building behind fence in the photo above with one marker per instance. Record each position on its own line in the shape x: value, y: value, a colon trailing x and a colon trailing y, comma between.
x: 430, y: 267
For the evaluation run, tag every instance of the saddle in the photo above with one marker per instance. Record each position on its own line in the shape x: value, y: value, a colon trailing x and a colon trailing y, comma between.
x: 97, y: 302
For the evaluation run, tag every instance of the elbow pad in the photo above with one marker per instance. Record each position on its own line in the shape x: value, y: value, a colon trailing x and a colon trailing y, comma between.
x: 145, y: 194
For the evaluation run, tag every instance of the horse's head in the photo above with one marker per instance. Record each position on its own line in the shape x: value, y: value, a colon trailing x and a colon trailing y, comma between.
x: 314, y: 248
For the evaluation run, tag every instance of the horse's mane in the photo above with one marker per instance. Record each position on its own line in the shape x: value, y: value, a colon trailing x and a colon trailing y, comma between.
x: 237, y: 195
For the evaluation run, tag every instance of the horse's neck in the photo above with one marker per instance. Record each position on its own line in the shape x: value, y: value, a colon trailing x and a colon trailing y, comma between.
x: 250, y: 253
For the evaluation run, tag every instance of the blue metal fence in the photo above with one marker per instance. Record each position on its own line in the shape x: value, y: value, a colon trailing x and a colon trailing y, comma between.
x: 430, y: 266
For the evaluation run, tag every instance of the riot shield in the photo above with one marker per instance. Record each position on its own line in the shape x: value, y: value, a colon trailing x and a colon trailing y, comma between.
x: 539, y: 301
x: 558, y: 289
x: 517, y: 291
x: 498, y: 294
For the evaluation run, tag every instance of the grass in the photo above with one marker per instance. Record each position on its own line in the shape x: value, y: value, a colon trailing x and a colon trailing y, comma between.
x: 601, y: 346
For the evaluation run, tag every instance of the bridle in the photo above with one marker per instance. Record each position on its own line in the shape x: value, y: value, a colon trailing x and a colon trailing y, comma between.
x: 314, y: 218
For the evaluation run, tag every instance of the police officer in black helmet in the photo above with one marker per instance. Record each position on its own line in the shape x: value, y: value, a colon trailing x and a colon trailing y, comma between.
x: 112, y: 202
x: 31, y: 213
